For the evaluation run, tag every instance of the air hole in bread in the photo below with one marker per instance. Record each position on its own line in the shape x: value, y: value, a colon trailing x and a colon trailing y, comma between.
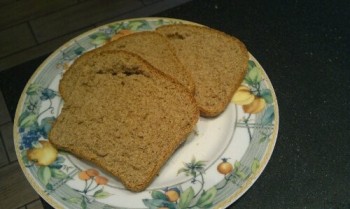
x: 131, y: 70
x: 175, y: 36
x: 130, y: 73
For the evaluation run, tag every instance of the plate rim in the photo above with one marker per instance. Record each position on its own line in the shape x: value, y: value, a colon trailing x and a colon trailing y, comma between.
x: 268, y: 152
x: 224, y: 203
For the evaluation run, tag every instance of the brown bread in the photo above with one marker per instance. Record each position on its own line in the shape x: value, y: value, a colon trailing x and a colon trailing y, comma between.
x: 152, y: 47
x: 216, y: 61
x: 126, y: 116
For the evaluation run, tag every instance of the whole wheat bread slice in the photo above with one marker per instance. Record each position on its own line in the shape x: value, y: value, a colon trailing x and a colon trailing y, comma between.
x: 126, y: 116
x: 156, y: 50
x: 80, y: 68
x: 216, y: 61
x: 152, y: 47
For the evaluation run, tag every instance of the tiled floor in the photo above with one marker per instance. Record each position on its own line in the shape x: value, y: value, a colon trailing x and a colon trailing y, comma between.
x: 30, y: 29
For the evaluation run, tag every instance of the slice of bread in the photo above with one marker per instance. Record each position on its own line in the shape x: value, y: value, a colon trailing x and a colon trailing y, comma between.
x: 126, y: 116
x: 156, y: 50
x: 75, y: 72
x: 152, y: 47
x: 217, y: 62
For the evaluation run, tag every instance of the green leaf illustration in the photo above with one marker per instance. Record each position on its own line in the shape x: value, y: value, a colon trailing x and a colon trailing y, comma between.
x: 83, y: 203
x: 100, y: 194
x: 79, y: 50
x: 47, y: 94
x: 264, y: 138
x: 185, y: 170
x: 254, y: 75
x: 100, y: 40
x: 57, y: 163
x: 95, y: 35
x: 156, y: 203
x: 160, y: 22
x: 206, y: 198
x: 27, y: 119
x: 268, y: 116
x: 158, y: 195
x: 170, y: 205
x: 134, y: 25
x: 25, y: 159
x: 74, y: 200
x: 193, y: 168
x: 248, y: 81
x: 116, y: 27
x: 241, y: 174
x: 255, y: 165
x: 267, y: 96
x: 186, y: 198
x: 57, y: 173
x: 199, y: 164
x: 49, y: 186
x: 60, y: 159
x: 237, y: 164
x: 44, y: 174
x: 33, y: 89
x: 46, y: 125
x: 251, y: 64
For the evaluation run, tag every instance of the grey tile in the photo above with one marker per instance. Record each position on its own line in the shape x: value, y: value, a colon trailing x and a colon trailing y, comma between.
x: 150, y: 1
x: 5, y: 2
x: 37, y: 51
x: 149, y: 10
x: 73, y: 20
x: 3, y: 156
x: 4, y: 113
x: 21, y: 11
x: 82, y: 15
x: 7, y: 136
x: 35, y: 205
x: 15, y: 39
x: 15, y: 191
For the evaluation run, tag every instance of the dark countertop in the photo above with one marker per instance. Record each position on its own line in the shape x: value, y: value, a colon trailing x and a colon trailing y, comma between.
x: 304, y: 48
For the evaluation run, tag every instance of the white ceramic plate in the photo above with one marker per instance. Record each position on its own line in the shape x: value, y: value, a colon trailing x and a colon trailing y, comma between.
x: 215, y: 166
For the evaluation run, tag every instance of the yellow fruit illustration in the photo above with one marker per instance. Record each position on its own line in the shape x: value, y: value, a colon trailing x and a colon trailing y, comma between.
x: 256, y: 106
x: 45, y: 155
x: 243, y: 96
x: 172, y: 195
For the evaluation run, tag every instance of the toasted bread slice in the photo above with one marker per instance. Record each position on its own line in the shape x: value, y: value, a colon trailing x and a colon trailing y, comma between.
x: 152, y: 47
x: 217, y: 62
x: 126, y: 116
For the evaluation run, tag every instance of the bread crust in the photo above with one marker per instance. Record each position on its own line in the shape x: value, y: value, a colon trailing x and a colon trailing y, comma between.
x: 211, y: 111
